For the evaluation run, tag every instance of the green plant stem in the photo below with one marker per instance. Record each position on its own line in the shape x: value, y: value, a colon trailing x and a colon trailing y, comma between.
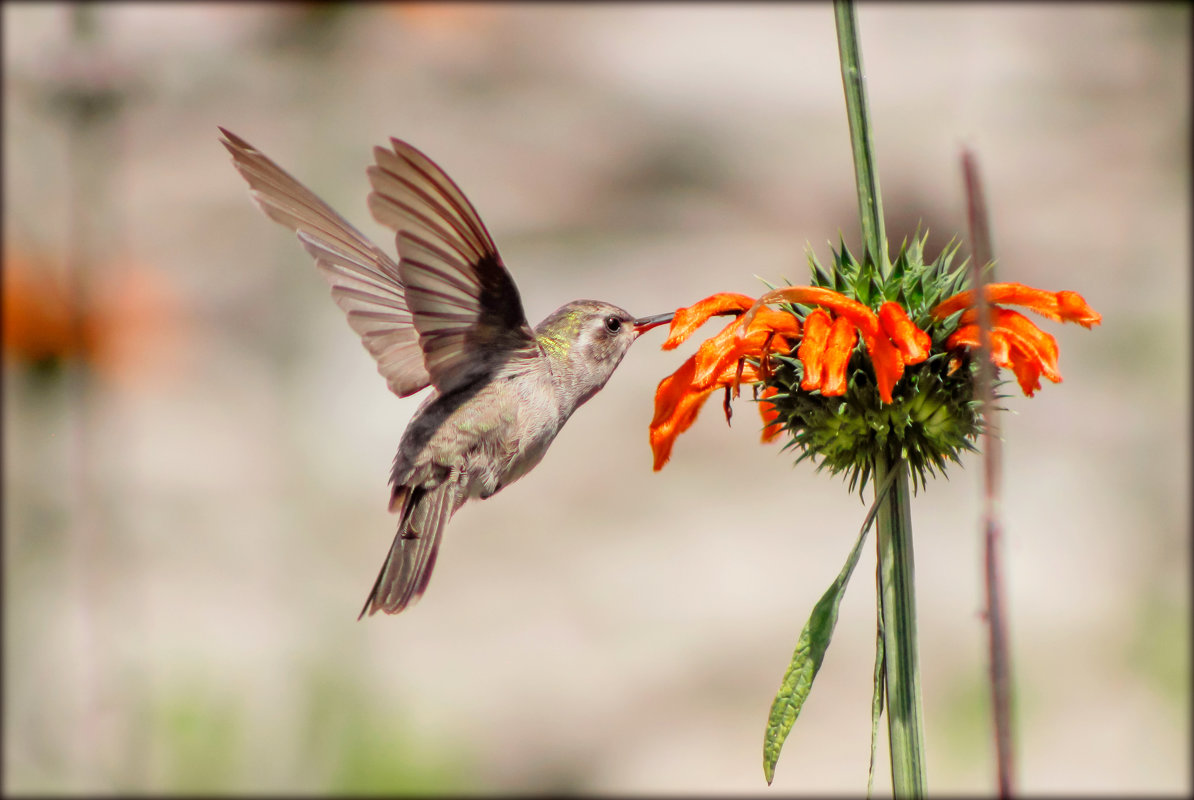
x: 897, y: 605
x: 897, y: 591
x: 870, y: 202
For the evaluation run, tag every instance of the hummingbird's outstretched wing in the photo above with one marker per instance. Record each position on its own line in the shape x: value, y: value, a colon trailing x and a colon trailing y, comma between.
x: 423, y: 514
x: 465, y: 305
x: 365, y: 281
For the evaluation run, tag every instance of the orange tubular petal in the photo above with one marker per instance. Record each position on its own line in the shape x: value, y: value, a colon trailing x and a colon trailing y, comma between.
x: 1027, y: 368
x: 842, y: 338
x: 1011, y: 350
x: 771, y: 426
x: 781, y: 345
x: 663, y: 435
x: 1000, y: 349
x: 1017, y: 294
x: 771, y: 319
x: 964, y: 336
x: 676, y: 406
x: 1063, y: 306
x: 1073, y: 308
x: 713, y: 362
x: 951, y: 305
x: 714, y: 353
x: 678, y: 401
x: 812, y: 348
x: 912, y: 342
x: 967, y: 336
x: 727, y: 346
x: 1019, y: 328
x: 671, y: 390
x: 863, y: 318
x: 969, y: 317
x: 888, y: 363
x: 1020, y: 331
x: 729, y: 375
x: 1040, y: 301
x: 687, y: 320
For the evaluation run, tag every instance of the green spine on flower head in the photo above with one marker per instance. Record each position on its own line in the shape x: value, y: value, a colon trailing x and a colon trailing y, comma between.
x: 932, y: 418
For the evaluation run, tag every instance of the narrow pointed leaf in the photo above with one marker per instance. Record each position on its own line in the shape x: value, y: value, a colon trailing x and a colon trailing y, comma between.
x: 810, y: 651
x: 806, y: 661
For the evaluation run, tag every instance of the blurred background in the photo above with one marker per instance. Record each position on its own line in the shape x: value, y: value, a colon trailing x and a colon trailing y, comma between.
x: 196, y: 445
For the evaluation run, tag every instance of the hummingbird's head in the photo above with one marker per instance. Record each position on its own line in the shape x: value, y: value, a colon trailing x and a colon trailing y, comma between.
x: 585, y: 341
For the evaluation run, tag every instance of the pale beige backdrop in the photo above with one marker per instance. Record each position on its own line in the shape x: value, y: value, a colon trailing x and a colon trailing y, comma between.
x: 188, y: 538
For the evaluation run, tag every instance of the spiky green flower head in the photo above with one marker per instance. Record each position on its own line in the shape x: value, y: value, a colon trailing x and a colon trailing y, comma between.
x: 932, y: 417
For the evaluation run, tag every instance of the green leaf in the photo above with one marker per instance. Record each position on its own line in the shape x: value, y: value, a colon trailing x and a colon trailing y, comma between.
x: 810, y: 650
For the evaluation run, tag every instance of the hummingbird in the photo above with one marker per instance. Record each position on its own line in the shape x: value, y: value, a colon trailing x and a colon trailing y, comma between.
x: 446, y: 315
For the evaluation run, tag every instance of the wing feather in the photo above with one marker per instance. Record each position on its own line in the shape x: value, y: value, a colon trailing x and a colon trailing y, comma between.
x: 363, y: 279
x: 464, y: 303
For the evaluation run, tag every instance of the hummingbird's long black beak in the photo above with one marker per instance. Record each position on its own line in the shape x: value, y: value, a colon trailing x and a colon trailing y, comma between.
x: 643, y: 324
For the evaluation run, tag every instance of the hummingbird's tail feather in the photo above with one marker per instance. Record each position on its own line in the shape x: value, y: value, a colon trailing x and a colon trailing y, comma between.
x: 407, y: 569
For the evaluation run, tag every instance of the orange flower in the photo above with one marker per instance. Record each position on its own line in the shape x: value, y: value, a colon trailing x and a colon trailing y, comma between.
x: 40, y: 323
x: 1016, y: 342
x: 718, y: 363
x: 931, y: 422
x: 892, y: 340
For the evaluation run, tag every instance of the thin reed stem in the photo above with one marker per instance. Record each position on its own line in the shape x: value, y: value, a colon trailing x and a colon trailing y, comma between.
x: 897, y: 590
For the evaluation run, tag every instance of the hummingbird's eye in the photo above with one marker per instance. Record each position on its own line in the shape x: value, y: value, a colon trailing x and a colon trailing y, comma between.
x: 613, y: 324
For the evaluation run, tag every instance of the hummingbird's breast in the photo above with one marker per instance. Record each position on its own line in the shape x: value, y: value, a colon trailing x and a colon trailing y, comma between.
x: 537, y: 419
x: 490, y: 434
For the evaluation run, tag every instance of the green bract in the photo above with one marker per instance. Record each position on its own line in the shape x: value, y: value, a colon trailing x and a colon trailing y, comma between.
x: 932, y: 417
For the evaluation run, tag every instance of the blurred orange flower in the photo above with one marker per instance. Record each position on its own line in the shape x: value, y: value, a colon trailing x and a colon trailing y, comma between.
x: 446, y: 18
x: 127, y: 329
